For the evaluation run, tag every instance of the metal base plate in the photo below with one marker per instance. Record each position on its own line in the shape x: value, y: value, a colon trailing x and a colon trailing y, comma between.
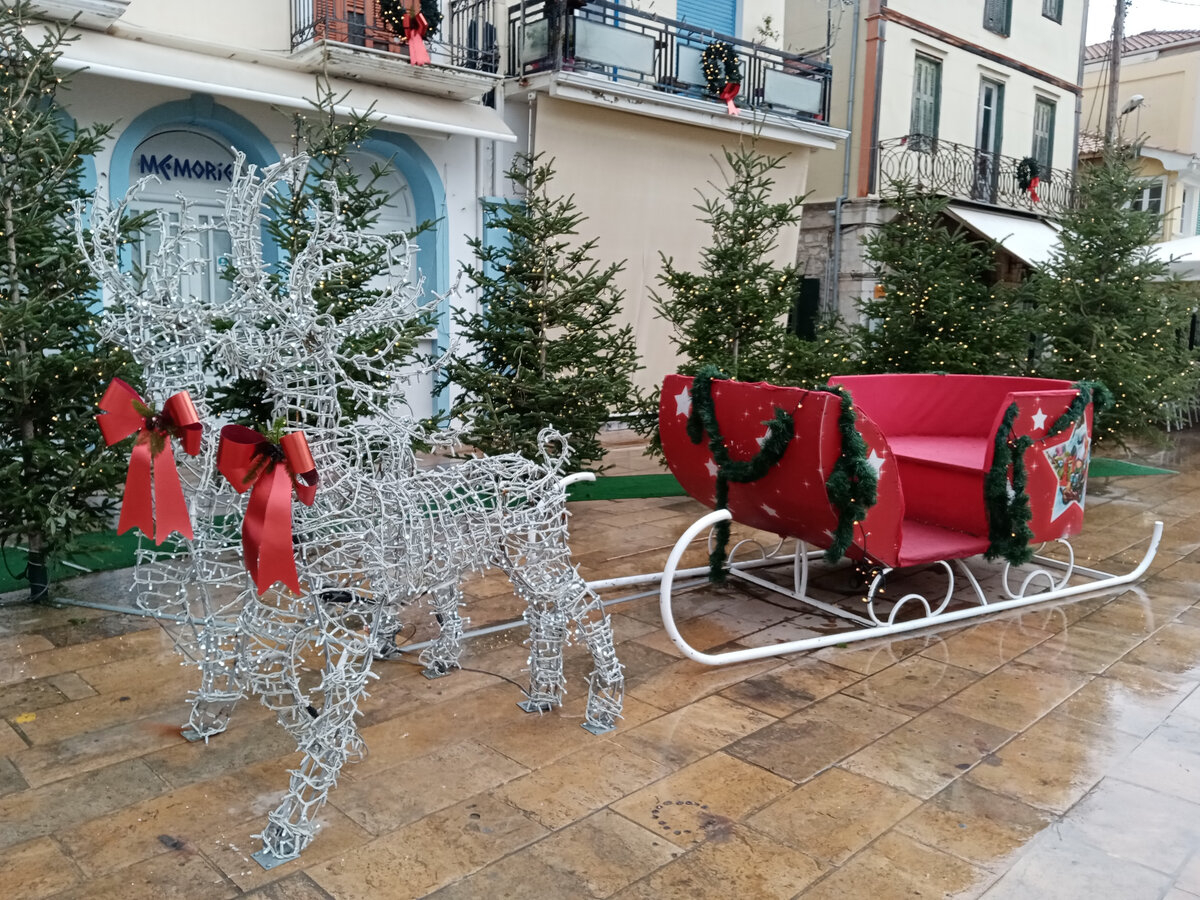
x: 270, y: 860
x: 531, y: 706
x: 191, y: 734
x: 597, y: 729
x: 432, y: 673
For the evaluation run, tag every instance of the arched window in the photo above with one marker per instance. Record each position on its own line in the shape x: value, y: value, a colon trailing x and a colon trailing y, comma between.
x: 195, y: 165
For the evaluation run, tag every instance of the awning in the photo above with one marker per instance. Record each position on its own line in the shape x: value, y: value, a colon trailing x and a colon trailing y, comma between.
x: 146, y: 63
x: 1030, y: 240
x: 1182, y: 257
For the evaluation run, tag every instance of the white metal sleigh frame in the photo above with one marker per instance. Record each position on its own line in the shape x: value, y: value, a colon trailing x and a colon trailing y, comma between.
x: 1055, y: 575
x: 923, y: 483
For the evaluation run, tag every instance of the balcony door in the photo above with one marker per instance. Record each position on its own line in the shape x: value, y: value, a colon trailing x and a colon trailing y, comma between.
x: 988, y: 134
x: 719, y: 15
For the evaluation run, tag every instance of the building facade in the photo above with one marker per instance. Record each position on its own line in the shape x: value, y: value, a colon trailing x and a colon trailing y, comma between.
x: 613, y: 93
x: 963, y: 100
x: 189, y: 88
x: 1159, y: 86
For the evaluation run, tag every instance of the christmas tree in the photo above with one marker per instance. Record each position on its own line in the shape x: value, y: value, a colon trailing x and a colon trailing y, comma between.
x: 732, y: 314
x: 1107, y: 313
x: 545, y: 349
x: 57, y: 481
x: 328, y: 140
x: 938, y: 307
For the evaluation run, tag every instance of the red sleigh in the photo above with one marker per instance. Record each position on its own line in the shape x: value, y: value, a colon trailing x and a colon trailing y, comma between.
x: 963, y: 465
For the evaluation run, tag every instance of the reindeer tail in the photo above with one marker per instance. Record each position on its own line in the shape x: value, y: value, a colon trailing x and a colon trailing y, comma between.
x: 554, y: 463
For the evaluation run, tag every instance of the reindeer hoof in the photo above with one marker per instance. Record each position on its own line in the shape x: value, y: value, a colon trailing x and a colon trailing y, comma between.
x: 536, y: 706
x: 597, y: 727
x: 436, y: 670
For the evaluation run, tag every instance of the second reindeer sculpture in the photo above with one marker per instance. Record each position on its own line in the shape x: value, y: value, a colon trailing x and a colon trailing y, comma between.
x: 380, y: 532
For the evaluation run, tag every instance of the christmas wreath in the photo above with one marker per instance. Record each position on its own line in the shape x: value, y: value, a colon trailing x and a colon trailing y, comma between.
x: 722, y: 71
x: 1028, y: 172
x: 394, y: 14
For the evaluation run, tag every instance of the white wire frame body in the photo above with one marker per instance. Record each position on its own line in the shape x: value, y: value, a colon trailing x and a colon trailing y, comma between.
x: 380, y: 534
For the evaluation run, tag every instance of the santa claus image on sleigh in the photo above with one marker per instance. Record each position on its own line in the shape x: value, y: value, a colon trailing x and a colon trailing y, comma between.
x: 894, y: 473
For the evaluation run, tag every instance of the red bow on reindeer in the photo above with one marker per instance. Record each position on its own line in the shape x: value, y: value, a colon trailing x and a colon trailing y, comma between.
x: 153, y: 500
x: 270, y: 471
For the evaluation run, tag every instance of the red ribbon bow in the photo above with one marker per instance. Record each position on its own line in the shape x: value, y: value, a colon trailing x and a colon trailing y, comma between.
x: 415, y: 27
x: 154, y: 501
x: 252, y: 463
x: 1033, y: 186
x: 727, y: 94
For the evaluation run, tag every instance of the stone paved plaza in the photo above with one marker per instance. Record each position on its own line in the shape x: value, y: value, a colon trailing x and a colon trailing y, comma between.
x: 1053, y: 753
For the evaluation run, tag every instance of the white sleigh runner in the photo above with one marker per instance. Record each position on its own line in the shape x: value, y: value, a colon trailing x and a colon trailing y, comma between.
x: 896, y: 472
x: 380, y: 532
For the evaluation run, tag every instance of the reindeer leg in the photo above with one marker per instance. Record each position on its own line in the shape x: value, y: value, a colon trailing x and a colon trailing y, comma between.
x: 606, y: 683
x: 220, y: 684
x: 547, y: 638
x: 443, y: 654
x: 329, y: 737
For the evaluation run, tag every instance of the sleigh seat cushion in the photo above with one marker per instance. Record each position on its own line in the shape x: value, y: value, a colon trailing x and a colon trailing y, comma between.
x: 948, y: 450
x: 925, y: 543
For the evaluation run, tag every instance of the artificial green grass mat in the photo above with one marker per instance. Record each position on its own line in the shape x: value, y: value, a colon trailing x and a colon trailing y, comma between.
x: 1109, y: 468
x: 98, y: 551
x: 624, y: 487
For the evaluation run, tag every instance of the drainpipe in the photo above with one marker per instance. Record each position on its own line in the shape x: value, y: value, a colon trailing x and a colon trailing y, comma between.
x: 837, y: 205
x: 871, y: 90
x: 1078, y: 97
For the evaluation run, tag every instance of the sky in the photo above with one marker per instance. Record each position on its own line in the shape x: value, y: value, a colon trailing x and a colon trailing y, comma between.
x: 1142, y: 15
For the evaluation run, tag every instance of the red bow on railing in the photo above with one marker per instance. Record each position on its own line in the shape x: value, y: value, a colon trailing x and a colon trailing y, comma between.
x: 153, y: 501
x: 1033, y: 186
x: 415, y: 28
x: 727, y: 94
x: 252, y: 463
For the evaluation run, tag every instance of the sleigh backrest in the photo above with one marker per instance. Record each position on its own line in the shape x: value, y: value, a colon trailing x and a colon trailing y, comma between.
x: 790, y: 499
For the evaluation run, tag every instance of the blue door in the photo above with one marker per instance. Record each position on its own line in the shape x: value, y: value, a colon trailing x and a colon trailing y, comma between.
x: 715, y: 14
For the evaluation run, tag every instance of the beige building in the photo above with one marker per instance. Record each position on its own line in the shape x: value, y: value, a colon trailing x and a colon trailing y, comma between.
x: 952, y: 98
x: 615, y: 95
x: 1158, y: 93
x: 613, y: 92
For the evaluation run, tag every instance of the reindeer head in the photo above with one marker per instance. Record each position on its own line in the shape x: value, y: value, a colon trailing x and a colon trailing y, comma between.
x: 277, y: 333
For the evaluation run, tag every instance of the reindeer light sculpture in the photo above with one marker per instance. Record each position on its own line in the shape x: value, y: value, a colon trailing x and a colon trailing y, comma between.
x: 380, y: 532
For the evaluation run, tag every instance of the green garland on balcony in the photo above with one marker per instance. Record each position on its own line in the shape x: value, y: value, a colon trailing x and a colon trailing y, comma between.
x: 722, y: 67
x: 702, y: 420
x: 392, y: 13
x: 1027, y: 170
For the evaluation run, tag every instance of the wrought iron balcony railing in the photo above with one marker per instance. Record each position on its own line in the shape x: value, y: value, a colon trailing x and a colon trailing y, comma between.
x: 630, y: 46
x: 466, y: 38
x: 943, y: 167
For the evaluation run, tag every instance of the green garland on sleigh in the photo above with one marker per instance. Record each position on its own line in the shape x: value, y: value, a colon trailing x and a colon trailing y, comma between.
x: 703, y: 420
x: 1008, y: 509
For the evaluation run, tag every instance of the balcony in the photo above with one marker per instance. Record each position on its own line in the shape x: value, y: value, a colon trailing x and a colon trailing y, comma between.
x: 97, y: 14
x: 630, y: 48
x: 955, y: 170
x: 350, y: 39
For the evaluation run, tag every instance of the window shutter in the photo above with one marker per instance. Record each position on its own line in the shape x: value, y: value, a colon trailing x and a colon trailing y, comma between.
x: 715, y: 14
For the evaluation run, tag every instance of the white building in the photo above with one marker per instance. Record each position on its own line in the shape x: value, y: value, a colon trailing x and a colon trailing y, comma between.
x: 952, y: 97
x: 187, y: 84
x: 614, y: 93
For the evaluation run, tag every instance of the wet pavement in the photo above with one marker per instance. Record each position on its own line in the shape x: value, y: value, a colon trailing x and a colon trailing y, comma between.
x: 1049, y: 753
